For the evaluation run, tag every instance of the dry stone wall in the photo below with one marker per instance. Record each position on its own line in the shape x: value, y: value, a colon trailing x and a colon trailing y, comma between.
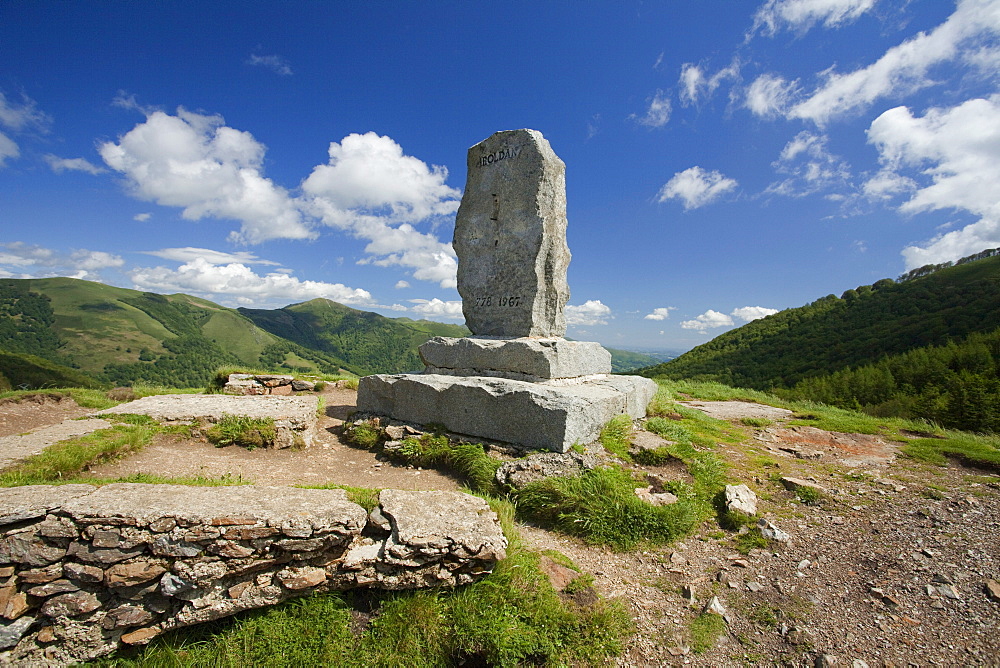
x: 85, y: 570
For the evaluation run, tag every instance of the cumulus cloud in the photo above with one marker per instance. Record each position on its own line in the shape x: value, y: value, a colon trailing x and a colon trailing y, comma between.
x: 748, y: 313
x: 903, y: 68
x: 60, y: 165
x: 950, y: 159
x: 661, y: 313
x: 713, y: 319
x: 801, y: 15
x: 142, y: 217
x: 591, y: 312
x: 658, y: 113
x: 372, y: 190
x: 195, y: 162
x: 770, y: 95
x: 436, y: 308
x: 696, y: 187
x: 810, y: 167
x: 696, y: 85
x: 33, y: 261
x: 237, y: 283
x: 273, y: 62
x: 708, y: 320
x: 401, y: 284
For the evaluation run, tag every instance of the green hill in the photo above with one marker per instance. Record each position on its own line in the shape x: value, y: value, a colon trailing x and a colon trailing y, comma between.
x: 17, y: 369
x: 366, y: 341
x: 859, y: 327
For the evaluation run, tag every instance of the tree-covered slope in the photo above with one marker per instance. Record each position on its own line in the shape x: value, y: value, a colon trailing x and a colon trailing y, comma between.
x: 860, y: 327
x: 366, y: 341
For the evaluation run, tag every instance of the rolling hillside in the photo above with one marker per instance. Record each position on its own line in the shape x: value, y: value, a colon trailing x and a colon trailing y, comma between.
x: 859, y: 327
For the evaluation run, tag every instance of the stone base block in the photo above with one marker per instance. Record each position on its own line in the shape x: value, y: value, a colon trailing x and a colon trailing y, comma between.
x: 552, y: 415
x: 518, y: 359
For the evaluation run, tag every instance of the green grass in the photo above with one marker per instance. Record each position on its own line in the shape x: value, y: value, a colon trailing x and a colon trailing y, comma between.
x: 615, y: 436
x: 67, y: 458
x: 365, y: 497
x: 757, y: 422
x: 242, y: 430
x: 971, y: 450
x: 512, y: 617
x: 468, y: 461
x: 705, y: 630
x: 601, y: 507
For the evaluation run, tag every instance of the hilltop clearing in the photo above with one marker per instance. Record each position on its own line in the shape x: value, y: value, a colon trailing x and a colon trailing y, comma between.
x: 878, y: 556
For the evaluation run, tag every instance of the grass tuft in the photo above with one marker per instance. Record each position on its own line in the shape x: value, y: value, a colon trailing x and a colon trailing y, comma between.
x: 242, y: 430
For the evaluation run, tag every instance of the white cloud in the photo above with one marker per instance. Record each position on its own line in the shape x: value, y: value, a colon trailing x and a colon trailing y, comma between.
x: 401, y: 284
x: 903, y: 68
x: 661, y: 313
x: 801, y: 15
x: 748, y: 313
x: 195, y: 162
x: 810, y: 167
x: 707, y: 320
x: 189, y: 254
x: 696, y: 85
x: 240, y: 284
x: 591, y: 312
x: 769, y: 95
x: 886, y: 184
x: 23, y: 116
x: 18, y: 118
x: 696, y: 187
x: 436, y: 308
x: 142, y: 217
x: 658, y: 113
x: 59, y: 165
x: 983, y: 234
x: 275, y: 63
x: 950, y: 159
x: 37, y: 261
x: 8, y: 149
x: 371, y: 189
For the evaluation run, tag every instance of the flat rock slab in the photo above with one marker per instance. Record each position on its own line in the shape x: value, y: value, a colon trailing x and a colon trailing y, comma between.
x: 530, y: 359
x: 552, y: 415
x: 15, y: 448
x: 734, y: 410
x: 290, y: 414
x: 322, y: 509
x: 33, y: 501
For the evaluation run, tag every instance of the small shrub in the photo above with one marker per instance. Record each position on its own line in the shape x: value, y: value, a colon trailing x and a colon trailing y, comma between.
x: 669, y: 429
x: 656, y: 457
x: 122, y: 394
x: 810, y: 496
x: 751, y: 540
x: 319, y: 386
x: 242, y: 430
x: 468, y: 460
x: 362, y: 434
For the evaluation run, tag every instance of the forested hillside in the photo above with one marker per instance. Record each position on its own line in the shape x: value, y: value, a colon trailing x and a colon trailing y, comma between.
x: 926, y: 346
x: 859, y: 327
x: 366, y: 341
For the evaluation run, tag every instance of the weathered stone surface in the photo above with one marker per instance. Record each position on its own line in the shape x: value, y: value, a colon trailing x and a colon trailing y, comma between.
x: 302, y: 578
x: 426, y: 526
x: 23, y: 503
x: 654, y: 498
x: 137, y: 572
x: 11, y: 632
x: 327, y: 509
x: 551, y: 415
x: 71, y: 605
x: 795, y: 484
x: 520, y: 472
x: 518, y: 359
x: 510, y: 237
x: 293, y: 416
x: 28, y: 549
x: 84, y: 573
x: 741, y: 498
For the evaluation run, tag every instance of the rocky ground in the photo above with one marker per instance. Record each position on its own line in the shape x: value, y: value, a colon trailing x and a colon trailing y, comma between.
x: 890, y: 566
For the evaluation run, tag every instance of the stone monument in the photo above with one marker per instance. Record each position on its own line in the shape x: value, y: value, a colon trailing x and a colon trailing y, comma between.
x: 516, y: 379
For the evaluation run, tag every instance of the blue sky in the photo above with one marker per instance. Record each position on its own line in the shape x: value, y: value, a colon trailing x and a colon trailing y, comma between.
x: 724, y: 159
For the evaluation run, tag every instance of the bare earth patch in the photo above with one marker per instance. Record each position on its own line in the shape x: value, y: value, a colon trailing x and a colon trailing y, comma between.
x: 39, y: 410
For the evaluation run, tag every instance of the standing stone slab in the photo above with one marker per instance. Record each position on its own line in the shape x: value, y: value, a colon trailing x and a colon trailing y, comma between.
x: 510, y: 238
x: 518, y: 359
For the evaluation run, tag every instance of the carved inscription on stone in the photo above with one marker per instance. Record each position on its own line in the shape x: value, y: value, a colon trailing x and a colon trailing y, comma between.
x: 510, y: 238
